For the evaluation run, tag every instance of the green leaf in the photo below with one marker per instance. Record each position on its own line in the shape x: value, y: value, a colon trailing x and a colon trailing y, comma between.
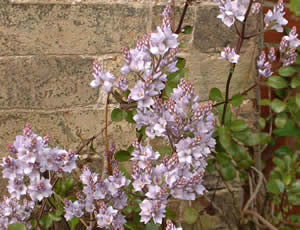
x: 265, y: 102
x: 165, y: 150
x: 237, y: 100
x: 295, y: 7
x: 289, y: 130
x: 283, y: 151
x: 295, y: 82
x: 190, y: 215
x: 170, y: 214
x: 152, y: 226
x: 228, y: 115
x: 224, y: 137
x: 275, y: 186
x: 117, y: 115
x: 278, y: 106
x: 298, y: 99
x: 215, y: 95
x: 16, y: 227
x: 122, y: 155
x: 228, y: 172
x: 169, y: 88
x: 223, y: 159
x: 46, y: 221
x: 262, y: 122
x: 298, y: 60
x: 238, y: 125
x: 67, y: 185
x: 294, y: 198
x: 187, y: 29
x: 281, y: 120
x: 251, y: 139
x: 287, y: 71
x: 175, y: 77
x: 129, y: 117
x: 180, y: 63
x: 54, y: 217
x: 126, y: 93
x: 278, y: 162
x: 73, y: 222
x: 277, y: 82
x: 295, y: 187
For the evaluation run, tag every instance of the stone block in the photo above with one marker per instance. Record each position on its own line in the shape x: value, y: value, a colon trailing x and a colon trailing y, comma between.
x: 207, y: 71
x: 63, y: 128
x: 46, y: 82
x: 211, y: 34
x: 29, y: 29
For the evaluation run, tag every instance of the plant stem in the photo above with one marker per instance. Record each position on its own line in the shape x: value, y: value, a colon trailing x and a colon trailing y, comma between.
x: 109, y: 168
x: 186, y: 5
x: 243, y: 93
x: 232, y: 67
x: 91, y: 139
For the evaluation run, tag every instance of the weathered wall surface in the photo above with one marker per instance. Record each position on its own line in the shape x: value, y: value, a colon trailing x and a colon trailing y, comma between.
x: 46, y: 53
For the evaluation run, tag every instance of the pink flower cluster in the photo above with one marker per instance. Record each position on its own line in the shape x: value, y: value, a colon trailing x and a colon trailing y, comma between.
x: 30, y: 157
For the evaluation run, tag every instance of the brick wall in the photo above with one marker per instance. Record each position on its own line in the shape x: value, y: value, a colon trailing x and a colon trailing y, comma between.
x: 46, y: 53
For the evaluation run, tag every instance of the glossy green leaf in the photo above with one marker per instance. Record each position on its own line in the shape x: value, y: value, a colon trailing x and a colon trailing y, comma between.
x: 262, y: 122
x: 279, y: 162
x: 283, y: 151
x: 16, y: 227
x: 152, y: 226
x: 117, y: 115
x: 190, y: 215
x: 298, y: 57
x: 275, y: 186
x: 187, y: 29
x: 295, y: 188
x: 46, y: 221
x: 236, y: 100
x: 122, y: 155
x: 224, y: 137
x: 265, y: 102
x: 180, y: 63
x: 54, y: 217
x: 277, y: 82
x: 129, y: 117
x: 215, y: 95
x: 278, y: 106
x: 73, y: 222
x: 295, y: 82
x: 294, y: 198
x: 289, y: 130
x: 295, y: 7
x: 287, y: 71
x: 223, y: 159
x: 281, y: 120
x: 228, y: 172
x: 165, y: 150
x: 175, y: 77
x: 238, y: 125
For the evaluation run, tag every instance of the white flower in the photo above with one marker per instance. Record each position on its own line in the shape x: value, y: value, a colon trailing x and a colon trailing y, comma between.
x: 274, y: 20
x: 230, y: 55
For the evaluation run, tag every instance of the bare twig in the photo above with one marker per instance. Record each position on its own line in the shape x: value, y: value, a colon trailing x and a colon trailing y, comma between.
x: 263, y: 220
x: 91, y: 139
x: 253, y: 196
x: 219, y: 210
